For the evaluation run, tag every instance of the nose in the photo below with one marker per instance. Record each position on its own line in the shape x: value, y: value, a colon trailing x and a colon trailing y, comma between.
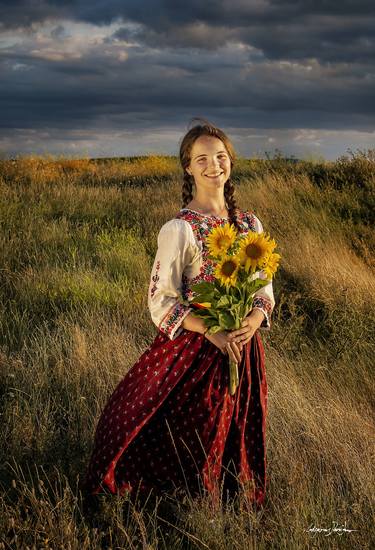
x: 214, y: 163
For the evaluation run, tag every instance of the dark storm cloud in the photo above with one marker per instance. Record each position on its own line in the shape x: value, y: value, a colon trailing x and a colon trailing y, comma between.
x: 265, y: 92
x: 163, y: 12
x: 276, y: 64
x: 327, y: 30
x: 23, y: 13
x: 326, y: 40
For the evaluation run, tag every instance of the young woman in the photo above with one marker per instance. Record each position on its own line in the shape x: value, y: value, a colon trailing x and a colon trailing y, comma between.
x: 171, y: 423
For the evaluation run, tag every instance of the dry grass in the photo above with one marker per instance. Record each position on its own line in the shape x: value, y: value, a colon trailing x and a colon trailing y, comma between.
x: 77, y: 242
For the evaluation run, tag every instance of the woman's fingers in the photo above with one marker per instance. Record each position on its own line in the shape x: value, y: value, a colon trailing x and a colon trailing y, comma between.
x: 240, y: 331
x: 238, y: 353
x: 225, y: 350
x: 237, y: 334
x: 243, y: 338
x: 234, y: 352
x: 230, y: 353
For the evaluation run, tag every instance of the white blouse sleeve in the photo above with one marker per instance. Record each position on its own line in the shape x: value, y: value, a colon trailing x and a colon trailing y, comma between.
x: 264, y: 297
x: 175, y: 251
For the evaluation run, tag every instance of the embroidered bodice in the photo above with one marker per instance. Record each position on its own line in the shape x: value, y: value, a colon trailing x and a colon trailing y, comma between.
x: 182, y: 260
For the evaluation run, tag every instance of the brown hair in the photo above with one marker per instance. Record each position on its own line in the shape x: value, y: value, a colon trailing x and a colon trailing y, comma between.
x: 207, y: 129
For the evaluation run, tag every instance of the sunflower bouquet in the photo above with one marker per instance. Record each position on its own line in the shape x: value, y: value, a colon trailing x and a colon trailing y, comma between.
x: 225, y: 302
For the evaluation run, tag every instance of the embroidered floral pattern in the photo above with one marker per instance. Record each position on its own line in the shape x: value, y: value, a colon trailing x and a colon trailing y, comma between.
x: 260, y: 302
x: 172, y: 321
x: 155, y: 278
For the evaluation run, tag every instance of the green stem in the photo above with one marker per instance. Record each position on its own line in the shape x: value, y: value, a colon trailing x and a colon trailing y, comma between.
x: 233, y: 377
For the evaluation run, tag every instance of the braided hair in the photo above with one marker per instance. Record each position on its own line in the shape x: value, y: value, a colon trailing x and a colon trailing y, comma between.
x: 207, y: 129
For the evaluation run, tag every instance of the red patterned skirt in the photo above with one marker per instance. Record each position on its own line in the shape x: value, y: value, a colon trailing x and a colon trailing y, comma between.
x: 171, y: 423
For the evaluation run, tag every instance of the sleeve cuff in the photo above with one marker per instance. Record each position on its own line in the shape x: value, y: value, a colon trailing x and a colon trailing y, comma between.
x: 264, y: 305
x: 171, y: 323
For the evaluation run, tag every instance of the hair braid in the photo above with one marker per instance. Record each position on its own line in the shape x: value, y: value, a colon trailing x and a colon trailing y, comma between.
x: 229, y: 192
x: 187, y: 189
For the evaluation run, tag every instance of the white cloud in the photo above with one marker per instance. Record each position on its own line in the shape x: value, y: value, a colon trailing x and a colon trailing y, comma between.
x: 69, y: 40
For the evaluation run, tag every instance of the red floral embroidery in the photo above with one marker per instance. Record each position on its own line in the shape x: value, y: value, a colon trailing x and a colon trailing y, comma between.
x: 155, y: 278
x: 173, y: 319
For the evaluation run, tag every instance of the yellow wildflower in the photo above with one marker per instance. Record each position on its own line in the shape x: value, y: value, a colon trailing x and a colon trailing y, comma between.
x: 271, y: 264
x: 221, y: 239
x: 253, y: 250
x: 227, y: 269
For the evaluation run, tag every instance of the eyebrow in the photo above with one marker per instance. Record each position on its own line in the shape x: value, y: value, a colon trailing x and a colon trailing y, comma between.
x: 204, y: 155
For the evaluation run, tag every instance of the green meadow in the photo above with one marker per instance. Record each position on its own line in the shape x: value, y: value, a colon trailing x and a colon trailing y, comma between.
x: 77, y: 243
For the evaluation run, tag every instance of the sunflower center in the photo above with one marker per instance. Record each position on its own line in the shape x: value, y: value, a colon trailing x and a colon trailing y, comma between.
x: 223, y: 242
x: 252, y: 251
x: 228, y: 268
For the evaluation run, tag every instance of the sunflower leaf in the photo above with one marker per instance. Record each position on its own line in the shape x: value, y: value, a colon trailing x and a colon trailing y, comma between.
x: 203, y: 313
x: 254, y: 285
x: 219, y: 287
x: 206, y: 297
x: 202, y: 288
x: 224, y: 301
x: 211, y: 322
x: 226, y: 320
x: 235, y: 308
x: 214, y: 329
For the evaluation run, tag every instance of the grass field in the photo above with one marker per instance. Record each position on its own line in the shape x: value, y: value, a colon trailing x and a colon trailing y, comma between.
x: 77, y: 244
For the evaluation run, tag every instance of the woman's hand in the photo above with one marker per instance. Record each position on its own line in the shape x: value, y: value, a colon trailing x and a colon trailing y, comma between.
x: 249, y: 325
x: 221, y: 340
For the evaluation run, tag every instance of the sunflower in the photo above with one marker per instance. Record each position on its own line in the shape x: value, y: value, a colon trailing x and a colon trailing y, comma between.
x: 221, y: 239
x: 227, y: 269
x: 271, y: 264
x: 254, y: 248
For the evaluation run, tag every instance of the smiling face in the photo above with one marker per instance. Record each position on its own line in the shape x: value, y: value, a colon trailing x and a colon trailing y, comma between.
x: 210, y: 163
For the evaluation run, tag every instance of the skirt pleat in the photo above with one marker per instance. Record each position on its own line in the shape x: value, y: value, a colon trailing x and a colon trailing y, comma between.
x: 172, y: 424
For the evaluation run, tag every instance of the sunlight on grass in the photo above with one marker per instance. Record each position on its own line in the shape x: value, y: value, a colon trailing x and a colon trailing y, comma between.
x: 77, y: 241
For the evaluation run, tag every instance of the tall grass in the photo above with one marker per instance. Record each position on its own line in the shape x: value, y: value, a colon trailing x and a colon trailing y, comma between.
x: 77, y: 243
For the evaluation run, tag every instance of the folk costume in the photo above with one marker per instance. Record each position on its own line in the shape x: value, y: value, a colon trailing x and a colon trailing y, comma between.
x: 171, y: 422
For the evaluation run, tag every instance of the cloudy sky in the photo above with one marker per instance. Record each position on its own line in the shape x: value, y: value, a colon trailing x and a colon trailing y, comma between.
x: 125, y: 77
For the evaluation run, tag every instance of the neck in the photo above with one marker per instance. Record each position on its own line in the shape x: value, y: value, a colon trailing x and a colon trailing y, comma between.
x: 214, y: 204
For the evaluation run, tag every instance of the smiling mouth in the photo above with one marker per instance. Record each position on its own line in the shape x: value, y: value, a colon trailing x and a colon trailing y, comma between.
x: 214, y: 176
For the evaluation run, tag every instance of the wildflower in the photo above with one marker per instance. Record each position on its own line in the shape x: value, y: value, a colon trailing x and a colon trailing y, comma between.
x: 227, y: 269
x: 271, y: 264
x: 253, y: 250
x: 221, y: 239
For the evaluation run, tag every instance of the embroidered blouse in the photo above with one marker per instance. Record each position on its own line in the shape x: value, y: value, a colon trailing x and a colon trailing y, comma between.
x: 182, y: 260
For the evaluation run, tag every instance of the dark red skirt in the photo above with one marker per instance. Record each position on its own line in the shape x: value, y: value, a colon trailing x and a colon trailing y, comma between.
x: 171, y: 423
